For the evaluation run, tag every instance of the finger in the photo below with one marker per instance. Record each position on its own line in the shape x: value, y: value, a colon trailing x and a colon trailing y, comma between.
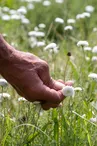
x: 43, y: 72
x: 67, y: 83
x: 44, y: 75
x: 56, y: 85
x: 40, y: 92
x: 51, y: 95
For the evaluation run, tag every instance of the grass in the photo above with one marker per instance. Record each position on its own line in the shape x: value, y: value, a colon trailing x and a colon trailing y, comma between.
x: 22, y: 123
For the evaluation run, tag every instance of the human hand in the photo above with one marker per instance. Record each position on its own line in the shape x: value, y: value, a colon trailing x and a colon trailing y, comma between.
x: 30, y: 76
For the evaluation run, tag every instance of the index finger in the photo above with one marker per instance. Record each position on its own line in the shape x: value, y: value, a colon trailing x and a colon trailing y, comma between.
x: 51, y: 95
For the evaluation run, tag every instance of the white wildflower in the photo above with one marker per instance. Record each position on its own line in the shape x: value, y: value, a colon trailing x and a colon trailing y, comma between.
x: 71, y: 21
x: 32, y: 41
x: 89, y: 8
x: 94, y: 120
x: 53, y: 48
x: 21, y: 99
x: 5, y: 17
x: 25, y: 21
x: 30, y: 6
x: 50, y: 46
x: 82, y: 43
x: 87, y: 49
x: 40, y: 44
x: 46, y: 3
x: 22, y: 16
x: 78, y: 89
x: 4, y: 95
x: 94, y: 58
x: 15, y: 17
x: 93, y: 76
x: 12, y: 12
x: 83, y: 15
x: 94, y: 50
x: 68, y: 91
x: 22, y: 10
x: 42, y: 25
x: 59, y: 20
x: 36, y: 33
x: 95, y: 29
x: 69, y: 27
x: 86, y: 14
x: 59, y: 1
x: 79, y: 16
x: 5, y: 9
x: 40, y: 34
x: 3, y: 82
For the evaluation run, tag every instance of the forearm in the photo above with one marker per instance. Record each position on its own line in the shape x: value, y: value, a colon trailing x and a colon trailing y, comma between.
x: 6, y: 53
x: 5, y: 49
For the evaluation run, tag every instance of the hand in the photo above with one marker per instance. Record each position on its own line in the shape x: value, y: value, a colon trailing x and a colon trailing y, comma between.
x: 29, y: 75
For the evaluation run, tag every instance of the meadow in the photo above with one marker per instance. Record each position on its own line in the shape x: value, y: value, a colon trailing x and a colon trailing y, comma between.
x: 63, y: 33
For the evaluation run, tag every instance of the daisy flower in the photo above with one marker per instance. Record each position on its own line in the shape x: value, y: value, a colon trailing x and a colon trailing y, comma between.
x: 68, y: 91
x: 93, y: 76
x: 82, y: 43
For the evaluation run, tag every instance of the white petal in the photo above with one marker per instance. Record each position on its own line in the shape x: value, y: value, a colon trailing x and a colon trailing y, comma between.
x: 68, y: 91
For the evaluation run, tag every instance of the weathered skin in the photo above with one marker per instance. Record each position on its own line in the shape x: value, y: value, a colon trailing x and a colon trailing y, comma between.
x: 29, y: 75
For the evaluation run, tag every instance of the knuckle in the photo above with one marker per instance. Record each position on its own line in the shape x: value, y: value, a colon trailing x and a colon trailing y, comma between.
x: 45, y: 65
x: 42, y: 65
x: 51, y: 83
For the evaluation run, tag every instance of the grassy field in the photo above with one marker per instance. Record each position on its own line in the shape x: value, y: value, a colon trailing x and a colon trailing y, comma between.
x: 31, y: 25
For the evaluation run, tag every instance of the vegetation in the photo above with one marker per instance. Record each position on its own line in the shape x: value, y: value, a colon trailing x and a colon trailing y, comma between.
x: 74, y: 123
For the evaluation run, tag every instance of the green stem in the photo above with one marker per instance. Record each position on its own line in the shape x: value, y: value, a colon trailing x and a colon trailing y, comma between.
x: 65, y: 71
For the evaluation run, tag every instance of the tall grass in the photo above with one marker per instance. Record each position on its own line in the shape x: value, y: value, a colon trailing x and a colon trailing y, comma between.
x: 22, y: 123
